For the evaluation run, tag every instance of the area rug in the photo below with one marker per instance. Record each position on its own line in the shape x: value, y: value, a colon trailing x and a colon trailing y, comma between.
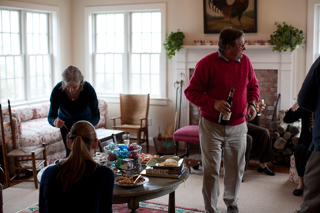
x: 144, y: 207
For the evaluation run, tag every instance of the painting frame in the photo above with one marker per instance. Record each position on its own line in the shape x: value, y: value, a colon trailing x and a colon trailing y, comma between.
x: 217, y: 16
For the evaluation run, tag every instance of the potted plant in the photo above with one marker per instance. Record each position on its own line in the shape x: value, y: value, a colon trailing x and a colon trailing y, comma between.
x: 285, y: 37
x: 173, y: 43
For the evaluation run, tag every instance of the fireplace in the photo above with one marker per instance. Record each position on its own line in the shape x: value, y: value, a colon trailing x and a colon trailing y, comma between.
x: 275, y: 72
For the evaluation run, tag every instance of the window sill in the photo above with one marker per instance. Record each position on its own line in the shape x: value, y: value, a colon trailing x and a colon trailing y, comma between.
x: 153, y: 101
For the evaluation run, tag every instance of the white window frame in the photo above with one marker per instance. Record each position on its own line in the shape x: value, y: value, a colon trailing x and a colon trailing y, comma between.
x: 313, y: 27
x: 89, y: 16
x: 54, y: 27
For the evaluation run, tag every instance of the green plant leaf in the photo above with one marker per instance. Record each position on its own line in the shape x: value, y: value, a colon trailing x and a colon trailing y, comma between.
x: 173, y: 43
x: 286, y: 37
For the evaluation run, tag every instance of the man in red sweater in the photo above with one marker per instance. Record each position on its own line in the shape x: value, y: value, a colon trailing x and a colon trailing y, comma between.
x: 208, y: 89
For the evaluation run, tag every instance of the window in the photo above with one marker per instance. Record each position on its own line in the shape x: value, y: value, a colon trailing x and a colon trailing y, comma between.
x: 26, y: 55
x: 127, y: 52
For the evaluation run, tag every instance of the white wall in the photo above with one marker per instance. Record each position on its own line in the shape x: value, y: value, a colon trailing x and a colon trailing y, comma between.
x: 186, y: 15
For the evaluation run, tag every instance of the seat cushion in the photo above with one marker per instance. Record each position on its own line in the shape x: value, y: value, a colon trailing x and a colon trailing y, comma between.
x: 189, y: 134
x: 38, y: 131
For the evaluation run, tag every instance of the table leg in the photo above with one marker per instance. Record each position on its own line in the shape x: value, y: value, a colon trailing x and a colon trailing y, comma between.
x: 171, y: 206
x: 133, y: 205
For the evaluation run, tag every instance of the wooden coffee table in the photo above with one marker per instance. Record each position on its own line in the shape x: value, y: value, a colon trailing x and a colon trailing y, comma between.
x: 156, y: 187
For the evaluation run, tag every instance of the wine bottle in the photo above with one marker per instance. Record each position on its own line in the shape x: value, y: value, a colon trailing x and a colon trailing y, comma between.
x: 224, y: 119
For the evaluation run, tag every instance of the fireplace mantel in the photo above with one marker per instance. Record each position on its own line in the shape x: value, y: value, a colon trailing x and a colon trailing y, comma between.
x: 262, y: 57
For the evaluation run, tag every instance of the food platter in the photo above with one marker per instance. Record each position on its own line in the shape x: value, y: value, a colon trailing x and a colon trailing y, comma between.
x: 155, y: 163
x: 146, y: 180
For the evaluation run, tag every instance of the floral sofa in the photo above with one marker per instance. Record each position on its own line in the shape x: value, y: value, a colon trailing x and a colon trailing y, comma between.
x: 32, y: 129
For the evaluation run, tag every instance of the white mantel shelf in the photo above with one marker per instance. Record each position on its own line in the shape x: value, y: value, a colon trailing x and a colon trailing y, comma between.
x: 261, y: 56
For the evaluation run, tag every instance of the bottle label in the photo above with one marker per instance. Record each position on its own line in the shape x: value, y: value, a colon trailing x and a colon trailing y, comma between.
x: 227, y: 116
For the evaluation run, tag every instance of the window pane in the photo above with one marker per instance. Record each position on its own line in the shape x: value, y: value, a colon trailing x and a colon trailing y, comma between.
x: 118, y: 83
x: 35, y: 23
x: 6, y: 44
x: 32, y: 66
x: 100, y: 84
x: 155, y: 85
x: 109, y: 63
x: 99, y: 63
x: 5, y: 21
x: 110, y: 42
x: 136, y: 22
x: 145, y: 64
x: 29, y: 23
x: 43, y: 23
x: 36, y: 44
x: 10, y: 67
x: 110, y: 23
x: 136, y: 42
x: 18, y: 67
x: 156, y: 43
x: 109, y: 86
x: 146, y: 22
x: 118, y: 63
x: 44, y: 44
x: 15, y: 44
x: 156, y: 22
x: 2, y: 68
x: 135, y: 63
x: 101, y: 24
x: 119, y: 23
x: 101, y: 43
x: 135, y: 84
x: 15, y: 22
x: 155, y: 64
x: 146, y: 44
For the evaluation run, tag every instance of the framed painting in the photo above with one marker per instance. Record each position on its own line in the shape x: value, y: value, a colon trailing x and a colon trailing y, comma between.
x: 239, y: 14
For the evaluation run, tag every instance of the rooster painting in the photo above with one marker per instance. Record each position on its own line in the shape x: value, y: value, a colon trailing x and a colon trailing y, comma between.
x: 233, y: 10
x: 217, y: 9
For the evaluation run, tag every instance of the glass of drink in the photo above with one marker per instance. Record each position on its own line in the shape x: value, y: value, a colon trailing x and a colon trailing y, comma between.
x: 126, y: 139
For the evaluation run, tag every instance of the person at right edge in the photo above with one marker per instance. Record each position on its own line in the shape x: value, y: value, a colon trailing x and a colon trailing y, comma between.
x: 309, y: 99
x: 208, y: 89
x: 301, y: 153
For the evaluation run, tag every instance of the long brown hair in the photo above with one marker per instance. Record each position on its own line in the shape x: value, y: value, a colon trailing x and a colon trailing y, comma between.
x: 81, y: 137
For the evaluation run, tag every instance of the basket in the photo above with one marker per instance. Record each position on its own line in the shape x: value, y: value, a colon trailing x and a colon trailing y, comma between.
x: 164, y: 147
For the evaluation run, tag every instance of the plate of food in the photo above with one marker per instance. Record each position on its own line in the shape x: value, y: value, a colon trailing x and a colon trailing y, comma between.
x: 132, y: 181
x: 145, y: 157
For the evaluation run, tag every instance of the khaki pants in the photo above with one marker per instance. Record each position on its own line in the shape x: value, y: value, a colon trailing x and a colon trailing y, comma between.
x: 232, y: 140
x: 311, y: 194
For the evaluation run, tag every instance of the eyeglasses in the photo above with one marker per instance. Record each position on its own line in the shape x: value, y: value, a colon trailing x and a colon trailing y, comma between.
x: 243, y: 47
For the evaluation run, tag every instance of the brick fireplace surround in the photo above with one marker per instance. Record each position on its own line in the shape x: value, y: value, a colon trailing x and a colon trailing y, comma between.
x: 275, y: 72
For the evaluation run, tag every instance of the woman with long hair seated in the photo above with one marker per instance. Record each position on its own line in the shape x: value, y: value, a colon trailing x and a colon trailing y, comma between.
x: 78, y: 183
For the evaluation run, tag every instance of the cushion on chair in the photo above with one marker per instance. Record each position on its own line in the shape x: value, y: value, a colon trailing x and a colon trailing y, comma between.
x: 189, y: 134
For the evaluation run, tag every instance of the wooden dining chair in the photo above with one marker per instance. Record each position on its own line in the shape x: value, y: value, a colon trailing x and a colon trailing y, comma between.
x: 18, y: 155
x: 134, y: 110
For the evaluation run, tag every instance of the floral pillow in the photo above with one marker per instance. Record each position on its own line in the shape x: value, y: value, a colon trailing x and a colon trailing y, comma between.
x: 24, y: 113
x: 41, y: 111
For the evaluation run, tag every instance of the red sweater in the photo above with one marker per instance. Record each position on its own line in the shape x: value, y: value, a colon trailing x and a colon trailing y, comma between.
x: 212, y: 79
